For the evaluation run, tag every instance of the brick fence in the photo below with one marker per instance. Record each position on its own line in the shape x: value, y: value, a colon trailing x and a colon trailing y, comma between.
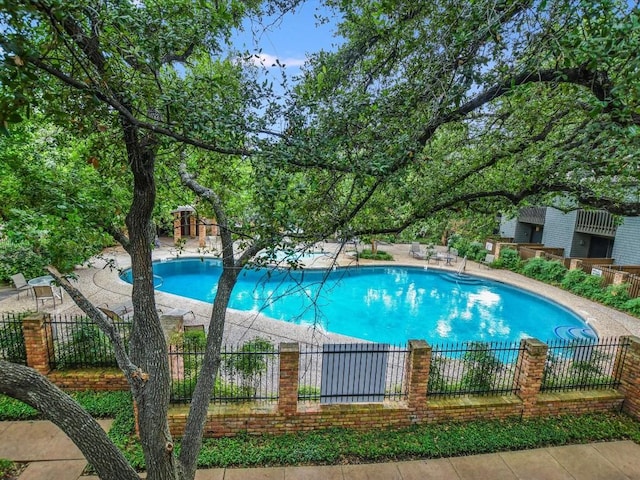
x: 290, y: 415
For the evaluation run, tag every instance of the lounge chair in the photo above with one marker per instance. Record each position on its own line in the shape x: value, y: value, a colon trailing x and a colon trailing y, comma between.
x: 416, y: 251
x: 119, y: 313
x: 488, y: 260
x: 44, y: 293
x: 21, y: 283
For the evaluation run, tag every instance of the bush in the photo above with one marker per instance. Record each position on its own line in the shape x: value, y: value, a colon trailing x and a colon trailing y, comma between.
x: 88, y: 346
x: 20, y: 258
x: 590, y: 287
x: 548, y: 271
x: 379, y: 255
x: 572, y: 279
x: 509, y: 259
x: 616, y: 295
x: 632, y: 306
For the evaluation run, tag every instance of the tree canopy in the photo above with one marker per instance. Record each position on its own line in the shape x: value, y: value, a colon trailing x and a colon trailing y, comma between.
x: 426, y: 109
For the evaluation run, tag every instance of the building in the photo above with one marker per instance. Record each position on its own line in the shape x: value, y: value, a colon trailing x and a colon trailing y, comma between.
x: 581, y: 233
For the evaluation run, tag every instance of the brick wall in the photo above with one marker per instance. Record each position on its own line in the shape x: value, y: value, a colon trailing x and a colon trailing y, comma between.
x: 289, y: 415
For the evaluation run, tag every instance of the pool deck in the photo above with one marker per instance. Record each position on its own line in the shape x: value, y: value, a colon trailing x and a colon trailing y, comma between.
x: 102, y: 286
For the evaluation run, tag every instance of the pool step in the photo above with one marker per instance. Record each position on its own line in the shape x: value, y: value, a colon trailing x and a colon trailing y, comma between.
x: 566, y: 332
x: 461, y: 278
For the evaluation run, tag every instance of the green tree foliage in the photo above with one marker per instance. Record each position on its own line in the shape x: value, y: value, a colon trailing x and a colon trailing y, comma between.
x: 462, y: 107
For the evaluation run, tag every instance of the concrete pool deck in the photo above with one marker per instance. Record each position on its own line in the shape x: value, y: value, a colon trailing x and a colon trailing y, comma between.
x: 102, y: 286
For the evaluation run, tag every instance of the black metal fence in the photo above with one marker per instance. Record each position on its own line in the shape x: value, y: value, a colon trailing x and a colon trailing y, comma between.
x: 247, y: 373
x: 584, y: 364
x: 12, y: 347
x: 358, y: 372
x: 77, y: 342
x: 473, y: 368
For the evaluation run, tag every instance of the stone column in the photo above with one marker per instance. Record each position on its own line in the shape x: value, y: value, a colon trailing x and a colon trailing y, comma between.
x: 418, y: 365
x: 530, y: 367
x: 288, y: 386
x: 630, y: 377
x: 202, y: 235
x: 192, y: 225
x: 38, y: 342
x: 177, y: 230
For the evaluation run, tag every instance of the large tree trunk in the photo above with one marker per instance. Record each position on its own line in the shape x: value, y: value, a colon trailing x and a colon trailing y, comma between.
x: 30, y: 387
x: 192, y: 441
x: 148, y: 348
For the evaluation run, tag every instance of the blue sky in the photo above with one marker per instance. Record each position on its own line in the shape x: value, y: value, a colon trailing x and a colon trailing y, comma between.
x: 289, y: 39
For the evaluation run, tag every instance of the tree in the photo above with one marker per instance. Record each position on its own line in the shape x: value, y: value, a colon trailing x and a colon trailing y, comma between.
x: 424, y: 110
x: 454, y: 107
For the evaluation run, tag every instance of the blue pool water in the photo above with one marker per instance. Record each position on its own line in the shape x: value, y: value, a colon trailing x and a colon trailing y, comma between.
x: 381, y: 304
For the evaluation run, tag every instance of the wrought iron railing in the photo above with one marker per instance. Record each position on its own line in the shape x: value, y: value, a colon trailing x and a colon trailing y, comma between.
x: 12, y: 346
x: 473, y: 368
x: 247, y: 373
x: 77, y: 342
x: 584, y: 364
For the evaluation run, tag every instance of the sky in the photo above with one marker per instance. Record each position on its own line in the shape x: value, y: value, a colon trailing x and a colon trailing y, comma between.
x: 289, y: 39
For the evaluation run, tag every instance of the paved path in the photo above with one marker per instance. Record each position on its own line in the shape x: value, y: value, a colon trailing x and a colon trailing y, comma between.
x: 52, y: 456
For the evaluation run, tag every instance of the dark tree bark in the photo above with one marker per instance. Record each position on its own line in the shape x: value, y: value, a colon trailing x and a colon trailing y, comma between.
x: 30, y: 387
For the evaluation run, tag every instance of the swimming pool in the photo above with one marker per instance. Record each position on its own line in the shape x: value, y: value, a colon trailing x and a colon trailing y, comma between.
x: 383, y: 303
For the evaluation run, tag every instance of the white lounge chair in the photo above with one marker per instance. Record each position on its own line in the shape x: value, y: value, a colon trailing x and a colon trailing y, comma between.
x: 416, y: 251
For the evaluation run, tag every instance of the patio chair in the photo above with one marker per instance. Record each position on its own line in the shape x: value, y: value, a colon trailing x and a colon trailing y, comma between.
x: 119, y: 313
x: 488, y: 260
x: 21, y: 283
x: 44, y: 293
x: 416, y: 251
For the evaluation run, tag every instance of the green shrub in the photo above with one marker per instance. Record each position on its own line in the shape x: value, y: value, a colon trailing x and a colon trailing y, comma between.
x: 88, y: 346
x: 249, y: 362
x: 572, y: 279
x: 548, y: 271
x: 632, y: 306
x: 7, y: 469
x: 616, y: 295
x: 509, y: 259
x: 590, y: 287
x: 480, y: 367
x: 20, y: 258
x: 379, y: 255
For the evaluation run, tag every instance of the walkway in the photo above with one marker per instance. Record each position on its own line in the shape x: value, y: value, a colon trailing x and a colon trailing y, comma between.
x: 51, y: 456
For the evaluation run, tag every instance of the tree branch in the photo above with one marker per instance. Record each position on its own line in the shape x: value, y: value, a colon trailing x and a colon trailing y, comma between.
x: 28, y: 386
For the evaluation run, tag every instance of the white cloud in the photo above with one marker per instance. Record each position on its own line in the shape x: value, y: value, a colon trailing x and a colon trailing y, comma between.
x: 267, y: 60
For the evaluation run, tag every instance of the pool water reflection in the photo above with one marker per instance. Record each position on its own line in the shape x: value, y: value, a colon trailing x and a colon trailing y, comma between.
x: 382, y: 304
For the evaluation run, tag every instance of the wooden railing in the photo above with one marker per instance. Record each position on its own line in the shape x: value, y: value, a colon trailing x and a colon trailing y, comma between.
x: 596, y: 223
x: 617, y: 274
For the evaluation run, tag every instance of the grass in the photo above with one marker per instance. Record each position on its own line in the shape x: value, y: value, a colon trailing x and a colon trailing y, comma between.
x: 340, y: 446
x: 8, y: 469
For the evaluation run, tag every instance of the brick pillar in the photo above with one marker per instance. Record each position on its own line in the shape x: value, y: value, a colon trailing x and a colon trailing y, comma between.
x: 575, y: 264
x: 530, y: 366
x: 37, y: 341
x: 202, y: 234
x: 288, y: 386
x: 177, y: 230
x: 418, y: 364
x: 630, y: 378
x: 619, y: 277
x: 192, y: 225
